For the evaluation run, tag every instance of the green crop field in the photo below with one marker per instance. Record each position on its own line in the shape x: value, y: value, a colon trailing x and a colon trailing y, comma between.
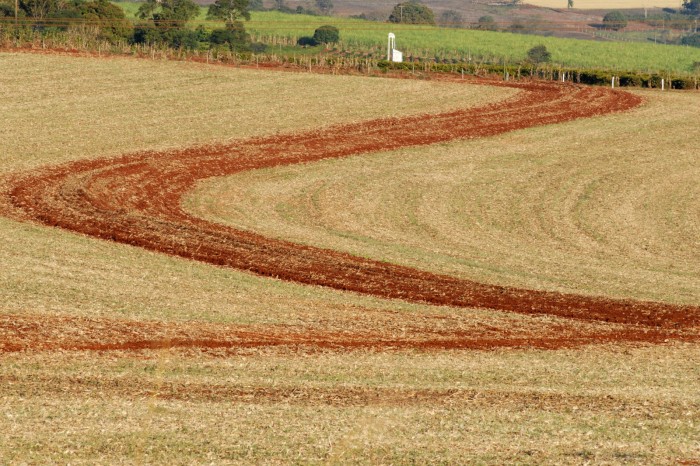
x: 429, y: 41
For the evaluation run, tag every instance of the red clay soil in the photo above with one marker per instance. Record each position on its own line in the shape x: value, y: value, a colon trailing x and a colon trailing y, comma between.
x: 32, y: 333
x: 136, y: 199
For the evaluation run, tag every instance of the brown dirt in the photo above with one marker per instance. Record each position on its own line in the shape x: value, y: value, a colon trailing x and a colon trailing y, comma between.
x: 21, y: 333
x: 136, y: 199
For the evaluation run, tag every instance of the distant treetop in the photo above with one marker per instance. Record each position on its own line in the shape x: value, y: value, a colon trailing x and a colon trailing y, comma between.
x: 412, y: 12
x: 691, y: 7
x: 615, y: 20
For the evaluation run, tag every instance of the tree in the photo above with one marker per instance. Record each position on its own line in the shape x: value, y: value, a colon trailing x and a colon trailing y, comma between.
x: 451, y: 18
x: 167, y: 23
x: 615, y: 20
x: 38, y: 9
x: 6, y: 11
x: 539, y: 54
x: 691, y: 7
x: 570, y: 4
x: 234, y: 36
x: 306, y: 41
x: 109, y: 17
x: 487, y: 23
x: 326, y: 35
x: 62, y: 13
x: 694, y: 41
x: 412, y: 13
x: 169, y: 13
x: 229, y: 11
x: 325, y: 6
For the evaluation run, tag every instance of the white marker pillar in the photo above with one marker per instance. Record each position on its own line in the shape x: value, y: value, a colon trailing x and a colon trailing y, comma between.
x: 392, y: 46
x: 393, y: 54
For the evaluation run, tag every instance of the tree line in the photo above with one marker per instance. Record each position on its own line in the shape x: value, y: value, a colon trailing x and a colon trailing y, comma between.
x: 160, y: 21
x: 165, y: 21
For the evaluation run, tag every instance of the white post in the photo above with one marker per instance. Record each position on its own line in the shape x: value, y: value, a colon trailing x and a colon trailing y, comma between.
x: 613, y: 82
x: 663, y: 84
x: 391, y: 47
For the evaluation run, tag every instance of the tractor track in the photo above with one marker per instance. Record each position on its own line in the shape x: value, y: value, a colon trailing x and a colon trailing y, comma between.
x: 135, y: 199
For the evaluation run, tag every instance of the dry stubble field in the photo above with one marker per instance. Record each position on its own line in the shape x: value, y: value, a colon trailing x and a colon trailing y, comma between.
x: 603, y: 206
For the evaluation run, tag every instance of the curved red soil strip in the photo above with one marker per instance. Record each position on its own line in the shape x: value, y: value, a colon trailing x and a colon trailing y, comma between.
x: 136, y: 200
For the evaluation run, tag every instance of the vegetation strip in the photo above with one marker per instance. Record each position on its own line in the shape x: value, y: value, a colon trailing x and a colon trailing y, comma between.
x: 135, y: 199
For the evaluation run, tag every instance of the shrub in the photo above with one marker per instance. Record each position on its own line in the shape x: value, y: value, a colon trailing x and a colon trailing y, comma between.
x: 631, y: 80
x: 451, y: 19
x: 683, y: 83
x: 234, y: 35
x: 327, y: 35
x: 615, y: 20
x: 146, y: 33
x: 182, y: 39
x: 6, y: 11
x: 595, y: 77
x: 539, y: 54
x: 653, y: 81
x: 692, y: 40
x: 307, y: 41
x: 487, y: 23
x: 524, y: 27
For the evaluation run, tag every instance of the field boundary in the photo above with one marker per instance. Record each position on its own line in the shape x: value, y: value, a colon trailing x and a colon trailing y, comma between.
x: 332, y: 64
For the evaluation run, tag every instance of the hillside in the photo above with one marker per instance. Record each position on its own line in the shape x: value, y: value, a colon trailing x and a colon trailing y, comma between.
x: 546, y: 17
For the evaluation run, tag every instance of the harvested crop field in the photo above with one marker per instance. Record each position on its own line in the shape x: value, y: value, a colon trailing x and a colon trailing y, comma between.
x: 282, y: 305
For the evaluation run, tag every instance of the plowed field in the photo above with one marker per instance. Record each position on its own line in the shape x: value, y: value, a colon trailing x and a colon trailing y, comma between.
x: 136, y: 200
x: 344, y: 357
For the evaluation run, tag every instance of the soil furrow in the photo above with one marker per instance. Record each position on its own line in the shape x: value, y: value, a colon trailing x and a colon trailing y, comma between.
x: 136, y: 199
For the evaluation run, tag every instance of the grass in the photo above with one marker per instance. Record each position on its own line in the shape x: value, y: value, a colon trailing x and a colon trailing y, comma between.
x: 616, y: 404
x: 150, y: 105
x: 601, y: 206
x: 144, y: 105
x: 428, y: 41
x: 604, y: 405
